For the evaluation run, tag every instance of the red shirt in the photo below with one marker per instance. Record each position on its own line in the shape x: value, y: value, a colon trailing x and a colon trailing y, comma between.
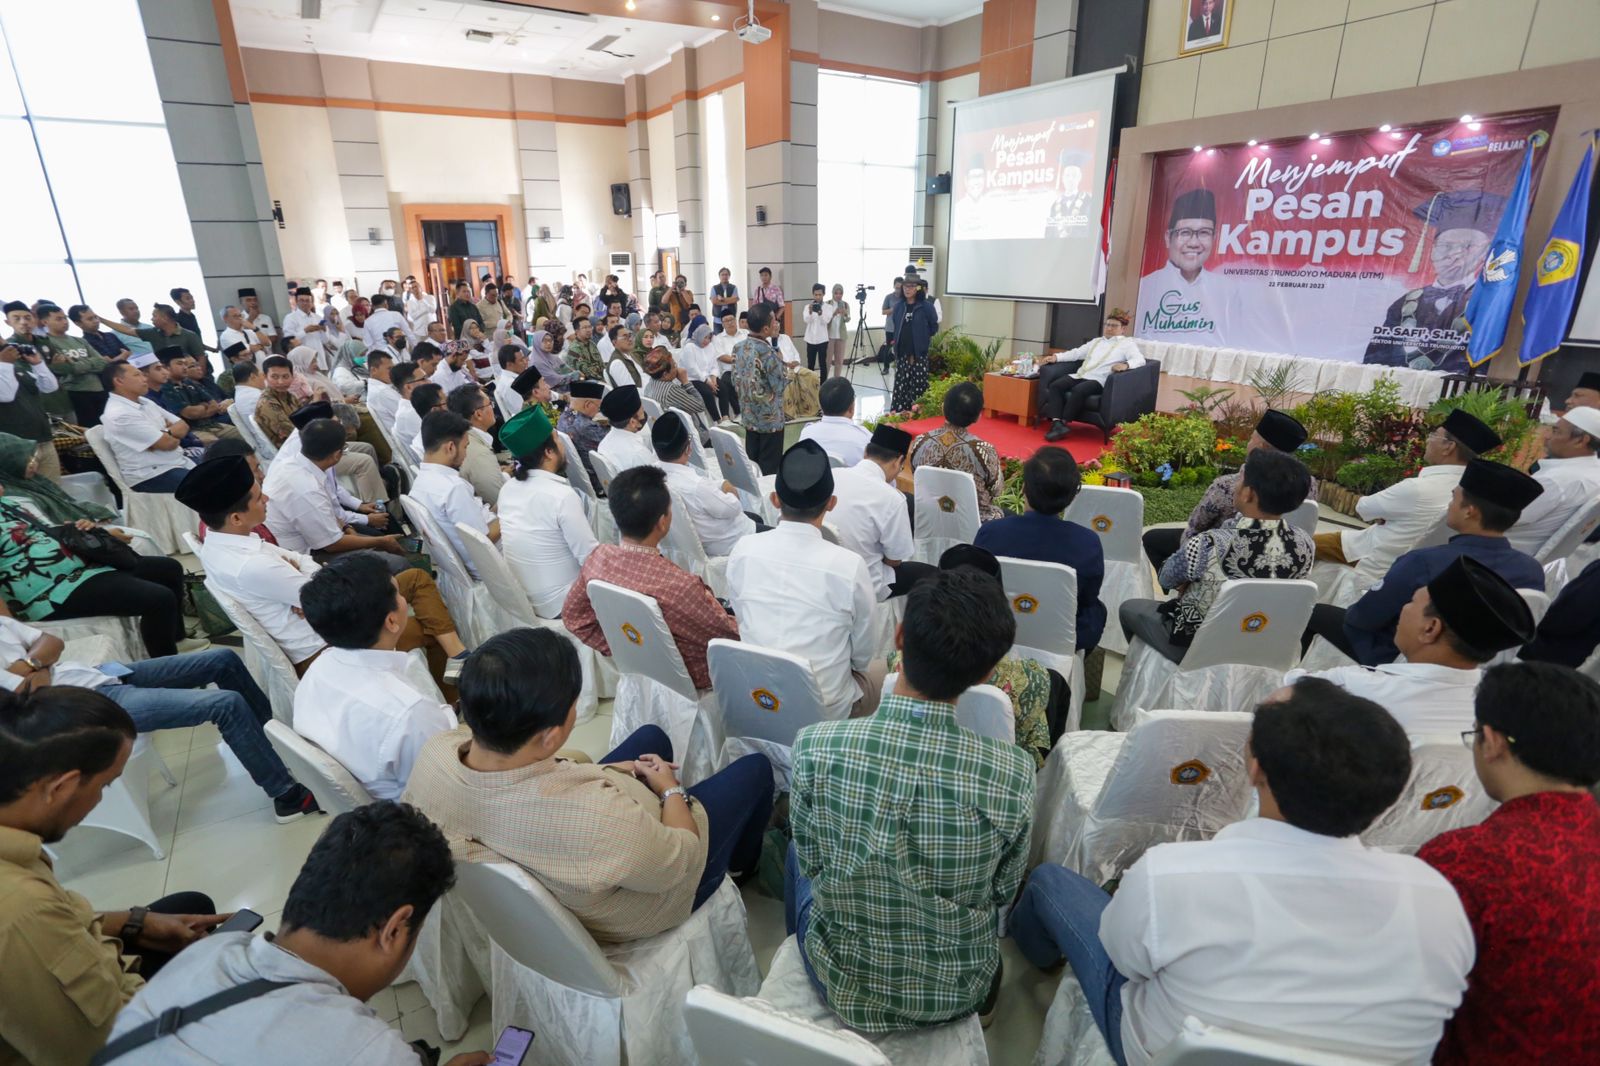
x: 1529, y: 879
x: 691, y: 610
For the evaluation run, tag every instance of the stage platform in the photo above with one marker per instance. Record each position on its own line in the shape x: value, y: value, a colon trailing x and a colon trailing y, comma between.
x: 1015, y: 441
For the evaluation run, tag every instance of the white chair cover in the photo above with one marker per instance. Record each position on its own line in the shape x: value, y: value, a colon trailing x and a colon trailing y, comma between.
x: 1444, y: 793
x: 1104, y: 799
x: 1254, y: 622
x: 683, y: 546
x: 728, y: 1031
x: 652, y: 409
x: 451, y: 963
x: 472, y: 606
x: 157, y: 513
x: 1322, y: 655
x: 263, y: 657
x: 957, y: 1043
x: 577, y: 475
x: 335, y: 787
x: 602, y: 470
x: 743, y: 474
x: 697, y: 454
x: 1564, y: 541
x: 601, y: 1005
x: 400, y: 452
x: 987, y: 711
x: 253, y: 435
x: 1117, y: 517
x: 124, y: 642
x: 765, y: 697
x: 946, y: 510
x: 508, y: 594
x: 1304, y: 517
x: 1337, y: 583
x: 1044, y: 602
x: 1070, y: 1036
x: 124, y: 806
x: 1538, y: 606
x: 654, y: 686
x: 88, y: 487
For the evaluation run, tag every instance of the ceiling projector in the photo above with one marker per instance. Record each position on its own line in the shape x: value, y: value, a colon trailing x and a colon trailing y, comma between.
x: 749, y: 28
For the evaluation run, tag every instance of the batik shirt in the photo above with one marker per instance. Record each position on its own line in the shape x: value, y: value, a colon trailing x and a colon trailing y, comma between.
x: 952, y: 448
x: 1241, y: 547
x: 586, y: 435
x: 1216, y: 506
x: 759, y: 377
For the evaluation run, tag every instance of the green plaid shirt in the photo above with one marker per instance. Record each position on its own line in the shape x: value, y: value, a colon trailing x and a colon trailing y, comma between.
x: 913, y: 831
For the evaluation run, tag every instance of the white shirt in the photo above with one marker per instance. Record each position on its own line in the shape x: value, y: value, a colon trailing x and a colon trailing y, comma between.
x: 724, y: 344
x: 1409, y: 509
x: 1204, y: 311
x: 360, y: 707
x: 408, y: 427
x: 420, y: 310
x: 266, y: 580
x: 349, y: 506
x: 450, y: 499
x: 716, y: 515
x: 302, y: 511
x: 1428, y: 700
x: 605, y: 347
x: 1100, y: 355
x: 131, y: 428
x: 625, y: 450
x: 700, y: 362
x: 817, y: 322
x: 246, y: 336
x: 1568, y: 485
x: 505, y: 397
x: 294, y: 328
x: 786, y: 349
x: 262, y: 324
x: 383, y: 400
x: 17, y: 637
x: 871, y: 520
x: 380, y: 322
x: 545, y: 536
x: 449, y: 379
x: 793, y: 591
x: 42, y: 376
x: 1271, y: 930
x: 839, y: 436
x: 617, y: 373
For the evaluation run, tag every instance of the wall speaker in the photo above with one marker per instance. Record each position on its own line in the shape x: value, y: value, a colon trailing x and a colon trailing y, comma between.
x: 761, y: 215
x: 621, y: 200
x: 939, y: 183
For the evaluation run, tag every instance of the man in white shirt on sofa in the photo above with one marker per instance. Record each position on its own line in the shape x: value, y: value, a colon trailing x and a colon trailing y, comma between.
x: 145, y: 438
x: 837, y: 430
x: 357, y: 702
x: 1283, y: 925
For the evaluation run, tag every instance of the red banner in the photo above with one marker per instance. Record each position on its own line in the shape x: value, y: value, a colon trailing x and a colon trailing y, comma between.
x: 1359, y: 246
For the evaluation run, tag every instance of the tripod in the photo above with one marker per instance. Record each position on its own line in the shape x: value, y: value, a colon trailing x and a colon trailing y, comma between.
x: 861, y: 349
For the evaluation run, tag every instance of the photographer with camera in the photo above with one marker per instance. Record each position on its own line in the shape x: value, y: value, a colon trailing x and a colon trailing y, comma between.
x: 24, y: 376
x: 818, y: 315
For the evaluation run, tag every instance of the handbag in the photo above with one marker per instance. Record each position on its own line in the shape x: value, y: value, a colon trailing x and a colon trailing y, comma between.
x: 96, y: 547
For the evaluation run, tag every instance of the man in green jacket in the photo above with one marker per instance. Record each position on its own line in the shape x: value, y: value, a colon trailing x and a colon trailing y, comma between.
x: 76, y: 366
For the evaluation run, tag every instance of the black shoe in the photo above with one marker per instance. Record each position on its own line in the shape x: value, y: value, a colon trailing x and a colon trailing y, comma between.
x: 1058, y: 429
x: 992, y: 1001
x: 295, y: 803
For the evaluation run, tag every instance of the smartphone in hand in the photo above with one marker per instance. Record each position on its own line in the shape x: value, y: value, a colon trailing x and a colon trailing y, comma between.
x: 512, y: 1047
x: 243, y: 921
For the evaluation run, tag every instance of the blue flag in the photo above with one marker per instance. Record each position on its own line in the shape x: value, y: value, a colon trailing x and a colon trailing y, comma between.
x: 1489, y: 309
x: 1547, y: 309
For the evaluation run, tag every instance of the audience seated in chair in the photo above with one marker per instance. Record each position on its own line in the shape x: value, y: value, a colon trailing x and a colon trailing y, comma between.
x: 146, y: 439
x: 910, y: 832
x: 626, y: 444
x: 837, y: 431
x: 1483, y: 506
x: 1569, y: 474
x: 544, y: 532
x: 1276, y: 431
x: 275, y: 414
x: 1526, y: 875
x: 793, y: 591
x: 1283, y: 925
x: 302, y: 509
x: 1570, y: 631
x: 267, y: 579
x: 714, y: 509
x: 356, y: 701
x: 869, y: 513
x: 1258, y: 542
x: 1064, y: 390
x: 619, y: 842
x: 1050, y: 482
x: 479, y: 468
x: 347, y: 931
x: 642, y: 508
x: 954, y: 446
x: 66, y: 970
x: 424, y: 398
x: 577, y: 421
x: 1405, y: 512
x: 1449, y: 629
x: 440, y: 487
x: 223, y: 449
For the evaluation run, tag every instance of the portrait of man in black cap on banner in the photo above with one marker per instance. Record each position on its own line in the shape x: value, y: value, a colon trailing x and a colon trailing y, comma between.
x: 1183, y: 301
x: 1424, y: 329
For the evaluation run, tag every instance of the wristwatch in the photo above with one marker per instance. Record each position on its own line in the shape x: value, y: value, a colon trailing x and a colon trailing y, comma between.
x: 133, y: 926
x: 675, y: 790
x: 33, y: 663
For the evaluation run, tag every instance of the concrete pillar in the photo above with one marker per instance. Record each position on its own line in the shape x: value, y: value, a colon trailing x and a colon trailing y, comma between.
x: 358, y: 156
x: 533, y: 98
x: 686, y: 161
x: 644, y: 217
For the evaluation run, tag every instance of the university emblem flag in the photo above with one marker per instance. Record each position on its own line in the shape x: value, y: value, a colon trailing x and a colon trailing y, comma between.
x: 1547, y: 309
x: 1489, y: 309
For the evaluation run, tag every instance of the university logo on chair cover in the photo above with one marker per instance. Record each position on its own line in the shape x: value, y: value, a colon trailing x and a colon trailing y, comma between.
x: 1193, y: 772
x: 1254, y: 623
x: 947, y: 505
x: 1440, y: 798
x: 766, y: 700
x: 1025, y: 604
x: 631, y: 633
x: 1101, y: 523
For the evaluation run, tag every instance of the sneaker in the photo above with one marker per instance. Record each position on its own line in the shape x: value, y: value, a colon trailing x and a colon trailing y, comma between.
x: 1058, y: 429
x: 189, y: 644
x: 295, y: 803
x: 452, y: 667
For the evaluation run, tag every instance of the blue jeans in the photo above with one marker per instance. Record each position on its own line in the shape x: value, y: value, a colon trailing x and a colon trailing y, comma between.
x: 797, y: 914
x: 166, y: 694
x: 737, y: 800
x: 1059, y: 914
x: 166, y: 481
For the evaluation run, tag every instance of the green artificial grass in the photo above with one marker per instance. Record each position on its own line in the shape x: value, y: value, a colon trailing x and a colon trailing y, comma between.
x: 1169, y: 505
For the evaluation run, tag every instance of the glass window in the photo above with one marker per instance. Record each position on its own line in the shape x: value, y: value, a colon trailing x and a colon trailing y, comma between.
x: 140, y: 210
x: 32, y: 234
x: 146, y: 284
x: 84, y: 59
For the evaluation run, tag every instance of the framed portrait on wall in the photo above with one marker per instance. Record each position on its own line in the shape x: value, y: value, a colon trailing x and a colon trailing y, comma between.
x: 1205, y: 26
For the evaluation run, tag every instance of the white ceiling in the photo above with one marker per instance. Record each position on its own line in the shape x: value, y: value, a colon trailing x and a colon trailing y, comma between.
x: 433, y: 32
x: 920, y: 13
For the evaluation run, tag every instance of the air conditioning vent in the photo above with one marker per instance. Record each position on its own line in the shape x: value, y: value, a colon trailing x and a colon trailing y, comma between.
x: 603, y: 43
x: 480, y: 36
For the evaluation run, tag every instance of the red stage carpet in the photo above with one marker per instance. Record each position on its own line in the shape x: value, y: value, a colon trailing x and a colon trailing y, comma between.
x: 1014, y: 441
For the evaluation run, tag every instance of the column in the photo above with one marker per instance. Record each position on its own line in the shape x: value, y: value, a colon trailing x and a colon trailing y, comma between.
x: 359, y: 158
x: 533, y: 98
x: 686, y: 161
x: 640, y: 192
x: 201, y: 82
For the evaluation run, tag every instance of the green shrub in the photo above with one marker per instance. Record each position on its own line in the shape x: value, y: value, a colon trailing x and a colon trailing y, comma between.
x: 1370, y: 474
x: 1329, y: 417
x: 953, y: 353
x: 1148, y: 479
x: 1507, y: 417
x: 1157, y: 438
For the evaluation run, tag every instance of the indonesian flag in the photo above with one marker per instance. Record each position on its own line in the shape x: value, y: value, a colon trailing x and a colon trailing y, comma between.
x: 1103, y: 258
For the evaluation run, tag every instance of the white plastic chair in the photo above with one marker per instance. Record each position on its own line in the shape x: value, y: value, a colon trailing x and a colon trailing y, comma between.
x: 1104, y: 799
x: 1444, y: 793
x: 1249, y: 639
x: 263, y: 656
x: 603, y: 470
x: 789, y: 990
x: 471, y: 604
x: 577, y: 476
x: 652, y: 409
x: 157, y: 513
x: 601, y: 1005
x: 654, y: 686
x: 254, y: 436
x: 512, y: 600
x: 1044, y: 603
x: 741, y: 472
x: 683, y: 546
x: 728, y: 1031
x: 124, y: 806
x: 766, y: 697
x: 335, y: 787
x: 946, y: 510
x: 1555, y: 552
x: 1116, y: 516
x: 697, y: 454
x: 1305, y: 517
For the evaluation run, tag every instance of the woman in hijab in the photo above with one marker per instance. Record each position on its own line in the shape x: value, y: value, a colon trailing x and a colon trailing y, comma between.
x: 356, y: 321
x: 309, y: 380
x: 19, y: 474
x: 552, y: 368
x: 349, y: 368
x: 333, y: 330
x: 643, y: 341
x: 545, y: 305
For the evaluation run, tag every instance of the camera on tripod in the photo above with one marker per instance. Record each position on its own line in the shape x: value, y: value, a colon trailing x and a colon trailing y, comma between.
x: 861, y: 292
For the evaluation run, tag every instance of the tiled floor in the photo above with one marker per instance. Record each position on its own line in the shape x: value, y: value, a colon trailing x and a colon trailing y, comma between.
x: 220, y: 838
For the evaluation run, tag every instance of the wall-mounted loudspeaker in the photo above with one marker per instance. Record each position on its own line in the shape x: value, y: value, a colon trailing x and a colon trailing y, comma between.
x: 939, y: 183
x: 621, y: 200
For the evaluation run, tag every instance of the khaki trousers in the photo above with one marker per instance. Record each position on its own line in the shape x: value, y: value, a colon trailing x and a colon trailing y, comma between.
x: 430, y: 618
x: 49, y: 461
x: 1330, y: 548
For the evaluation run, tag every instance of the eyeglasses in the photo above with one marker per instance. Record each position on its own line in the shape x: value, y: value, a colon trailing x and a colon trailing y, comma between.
x: 1469, y: 737
x: 1187, y: 234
